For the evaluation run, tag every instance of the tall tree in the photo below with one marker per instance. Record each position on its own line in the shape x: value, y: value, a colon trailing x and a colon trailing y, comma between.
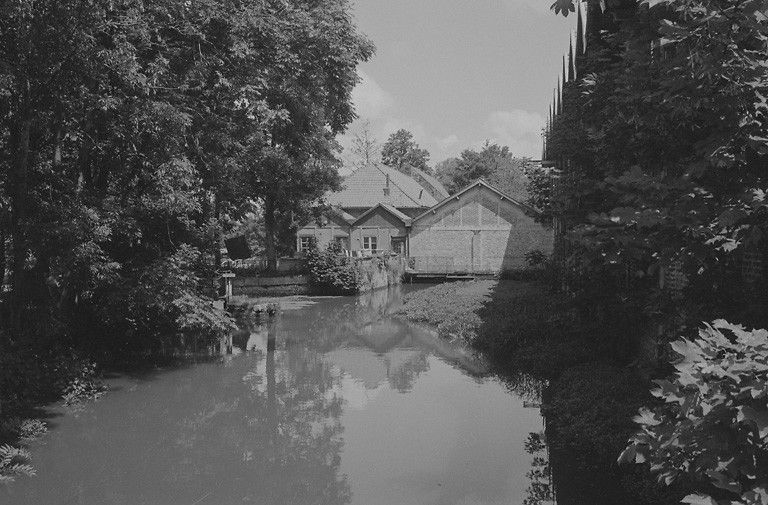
x: 401, y: 152
x: 364, y: 144
x: 131, y: 132
x: 492, y: 162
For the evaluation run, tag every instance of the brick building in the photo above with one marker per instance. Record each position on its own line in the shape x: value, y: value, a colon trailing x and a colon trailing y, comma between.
x: 374, y: 209
x: 479, y: 229
x: 379, y: 209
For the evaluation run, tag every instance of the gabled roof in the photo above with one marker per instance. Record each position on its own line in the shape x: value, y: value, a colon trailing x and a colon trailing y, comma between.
x: 402, y: 217
x: 436, y: 187
x: 479, y: 182
x: 365, y: 188
x: 344, y: 216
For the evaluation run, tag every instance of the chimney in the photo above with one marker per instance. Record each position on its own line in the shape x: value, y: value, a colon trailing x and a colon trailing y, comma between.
x: 386, y: 187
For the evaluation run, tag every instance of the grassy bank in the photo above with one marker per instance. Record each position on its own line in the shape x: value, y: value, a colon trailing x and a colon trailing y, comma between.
x: 592, y: 395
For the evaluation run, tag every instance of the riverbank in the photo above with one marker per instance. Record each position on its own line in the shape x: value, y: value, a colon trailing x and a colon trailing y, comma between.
x: 593, y: 391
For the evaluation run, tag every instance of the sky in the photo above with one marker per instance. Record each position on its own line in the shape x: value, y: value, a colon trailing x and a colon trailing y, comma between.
x: 459, y: 72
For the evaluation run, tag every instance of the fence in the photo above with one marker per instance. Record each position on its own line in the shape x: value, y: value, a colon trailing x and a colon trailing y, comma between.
x: 260, y: 264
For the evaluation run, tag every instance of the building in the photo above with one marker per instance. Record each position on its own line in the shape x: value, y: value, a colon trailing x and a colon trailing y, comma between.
x: 372, y: 212
x: 477, y: 230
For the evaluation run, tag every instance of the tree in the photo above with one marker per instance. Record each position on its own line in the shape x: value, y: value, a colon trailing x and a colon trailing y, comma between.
x: 312, y: 66
x: 132, y: 133
x: 401, y: 152
x: 492, y: 162
x: 364, y: 144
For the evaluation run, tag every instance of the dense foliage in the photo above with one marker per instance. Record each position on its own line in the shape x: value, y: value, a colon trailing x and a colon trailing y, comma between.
x: 713, y: 422
x: 660, y: 144
x: 661, y: 139
x: 401, y: 152
x: 132, y: 134
x: 492, y: 162
x: 332, y: 272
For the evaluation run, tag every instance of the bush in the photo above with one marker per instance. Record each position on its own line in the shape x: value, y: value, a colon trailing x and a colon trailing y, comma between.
x: 713, y: 422
x: 331, y: 272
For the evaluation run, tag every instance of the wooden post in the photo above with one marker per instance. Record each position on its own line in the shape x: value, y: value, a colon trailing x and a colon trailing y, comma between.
x: 227, y: 276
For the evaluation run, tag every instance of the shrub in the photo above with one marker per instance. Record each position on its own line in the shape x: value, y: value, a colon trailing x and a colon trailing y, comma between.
x: 14, y: 462
x: 713, y: 424
x: 331, y: 272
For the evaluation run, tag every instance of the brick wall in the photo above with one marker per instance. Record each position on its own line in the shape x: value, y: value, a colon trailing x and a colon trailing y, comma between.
x: 478, y: 232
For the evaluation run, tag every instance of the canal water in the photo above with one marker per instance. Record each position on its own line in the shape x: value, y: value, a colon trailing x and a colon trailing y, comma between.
x: 333, y: 401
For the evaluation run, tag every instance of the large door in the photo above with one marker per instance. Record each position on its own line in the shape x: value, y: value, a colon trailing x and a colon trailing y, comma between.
x: 476, y: 248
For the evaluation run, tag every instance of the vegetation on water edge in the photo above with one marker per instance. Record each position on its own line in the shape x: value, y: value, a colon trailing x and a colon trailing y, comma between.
x: 713, y: 422
x: 592, y: 394
x: 133, y: 136
x: 31, y: 377
x: 331, y: 272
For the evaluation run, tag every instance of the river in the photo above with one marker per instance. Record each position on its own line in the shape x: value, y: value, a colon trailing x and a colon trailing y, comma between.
x: 333, y: 401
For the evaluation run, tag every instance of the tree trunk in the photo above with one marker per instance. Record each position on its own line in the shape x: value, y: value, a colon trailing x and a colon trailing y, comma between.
x: 269, y: 232
x: 217, y: 218
x: 272, y: 389
x: 3, y: 260
x: 19, y: 190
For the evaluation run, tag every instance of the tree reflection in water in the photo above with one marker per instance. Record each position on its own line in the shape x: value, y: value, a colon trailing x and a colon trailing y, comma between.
x: 298, y: 415
x: 540, y: 490
x: 266, y: 427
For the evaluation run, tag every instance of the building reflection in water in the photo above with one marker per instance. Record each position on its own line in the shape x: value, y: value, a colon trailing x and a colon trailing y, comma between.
x: 331, y: 403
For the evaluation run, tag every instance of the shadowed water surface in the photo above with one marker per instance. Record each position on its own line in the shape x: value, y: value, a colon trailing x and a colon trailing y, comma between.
x: 331, y: 402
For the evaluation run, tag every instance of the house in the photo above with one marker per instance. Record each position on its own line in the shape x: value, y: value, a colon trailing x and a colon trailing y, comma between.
x: 477, y: 230
x: 372, y: 212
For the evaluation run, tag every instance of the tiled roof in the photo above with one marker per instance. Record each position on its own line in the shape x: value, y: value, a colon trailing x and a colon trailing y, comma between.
x: 338, y: 211
x: 438, y: 190
x: 365, y: 188
x: 480, y: 182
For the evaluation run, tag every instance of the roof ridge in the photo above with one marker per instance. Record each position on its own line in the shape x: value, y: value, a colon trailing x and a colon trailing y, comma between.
x: 482, y: 182
x: 389, y: 208
x: 395, y: 184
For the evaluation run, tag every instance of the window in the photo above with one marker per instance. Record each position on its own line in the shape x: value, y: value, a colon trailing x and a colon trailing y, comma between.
x: 369, y: 243
x: 305, y: 243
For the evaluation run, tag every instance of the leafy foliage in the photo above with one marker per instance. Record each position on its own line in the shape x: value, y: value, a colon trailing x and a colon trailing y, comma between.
x: 132, y: 135
x: 401, y: 152
x: 14, y: 462
x: 332, y: 272
x: 659, y: 149
x: 713, y: 423
x: 492, y: 162
x: 540, y: 490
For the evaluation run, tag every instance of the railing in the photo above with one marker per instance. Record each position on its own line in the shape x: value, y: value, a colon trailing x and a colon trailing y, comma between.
x: 260, y: 264
x: 432, y: 264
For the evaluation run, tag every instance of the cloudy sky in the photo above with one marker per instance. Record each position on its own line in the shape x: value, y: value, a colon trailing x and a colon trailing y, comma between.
x: 458, y: 72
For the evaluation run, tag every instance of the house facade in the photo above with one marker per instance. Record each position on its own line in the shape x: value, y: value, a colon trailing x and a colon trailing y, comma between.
x: 477, y: 230
x: 373, y: 211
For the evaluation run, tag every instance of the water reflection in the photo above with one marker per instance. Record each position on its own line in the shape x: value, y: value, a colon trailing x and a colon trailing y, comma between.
x: 331, y: 402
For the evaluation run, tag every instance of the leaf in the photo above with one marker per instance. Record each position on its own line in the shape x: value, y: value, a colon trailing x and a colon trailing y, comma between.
x: 564, y: 6
x: 698, y: 499
x: 627, y: 455
x: 759, y: 418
